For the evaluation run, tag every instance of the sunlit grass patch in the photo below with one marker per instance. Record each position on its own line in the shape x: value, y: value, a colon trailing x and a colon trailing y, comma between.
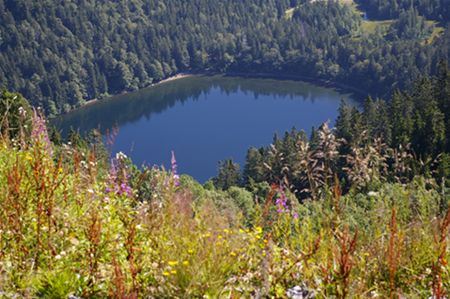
x: 289, y: 13
x: 437, y: 31
x: 370, y: 27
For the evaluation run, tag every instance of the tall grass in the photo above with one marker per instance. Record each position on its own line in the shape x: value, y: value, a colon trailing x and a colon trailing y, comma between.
x: 70, y: 224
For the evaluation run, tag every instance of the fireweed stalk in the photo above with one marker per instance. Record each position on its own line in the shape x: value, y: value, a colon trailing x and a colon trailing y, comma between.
x: 119, y: 183
x: 282, y: 202
x: 176, y: 177
x: 39, y: 133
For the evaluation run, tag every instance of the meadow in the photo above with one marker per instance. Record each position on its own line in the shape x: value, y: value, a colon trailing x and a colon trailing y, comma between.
x: 76, y: 223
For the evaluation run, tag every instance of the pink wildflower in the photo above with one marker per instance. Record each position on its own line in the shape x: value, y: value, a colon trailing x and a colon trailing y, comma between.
x: 39, y: 134
x: 281, y: 201
x: 176, y: 177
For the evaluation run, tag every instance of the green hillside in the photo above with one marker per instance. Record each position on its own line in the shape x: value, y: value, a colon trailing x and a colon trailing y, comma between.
x: 60, y: 55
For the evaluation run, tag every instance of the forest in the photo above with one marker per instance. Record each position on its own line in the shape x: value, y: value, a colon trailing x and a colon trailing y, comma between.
x: 60, y: 55
x: 390, y: 9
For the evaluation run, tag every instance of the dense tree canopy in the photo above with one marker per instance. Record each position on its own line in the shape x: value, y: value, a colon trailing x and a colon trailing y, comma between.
x: 438, y: 10
x: 61, y: 54
x: 388, y: 140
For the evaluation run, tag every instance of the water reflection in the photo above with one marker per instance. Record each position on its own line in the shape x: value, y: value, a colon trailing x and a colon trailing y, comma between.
x: 123, y: 109
x: 205, y: 119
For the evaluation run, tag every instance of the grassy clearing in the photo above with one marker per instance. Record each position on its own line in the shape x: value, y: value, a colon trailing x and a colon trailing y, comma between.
x: 370, y: 27
x: 437, y: 31
x: 289, y: 13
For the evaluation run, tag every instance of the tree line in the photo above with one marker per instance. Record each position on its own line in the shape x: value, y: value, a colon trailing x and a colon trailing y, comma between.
x: 387, y: 141
x: 59, y: 55
x: 438, y: 10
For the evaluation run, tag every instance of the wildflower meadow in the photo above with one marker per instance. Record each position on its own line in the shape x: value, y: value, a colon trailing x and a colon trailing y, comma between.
x: 75, y: 222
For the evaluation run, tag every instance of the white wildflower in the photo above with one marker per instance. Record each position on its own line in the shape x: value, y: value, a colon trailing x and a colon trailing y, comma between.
x: 121, y: 156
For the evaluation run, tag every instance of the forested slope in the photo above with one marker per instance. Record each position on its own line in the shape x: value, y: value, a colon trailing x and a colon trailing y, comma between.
x: 438, y: 10
x: 388, y: 141
x: 62, y: 54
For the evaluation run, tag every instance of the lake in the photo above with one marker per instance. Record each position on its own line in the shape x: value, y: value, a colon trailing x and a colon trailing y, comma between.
x: 205, y: 119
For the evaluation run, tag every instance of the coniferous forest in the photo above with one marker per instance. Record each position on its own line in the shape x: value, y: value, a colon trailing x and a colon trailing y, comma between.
x: 58, y: 55
x: 355, y: 210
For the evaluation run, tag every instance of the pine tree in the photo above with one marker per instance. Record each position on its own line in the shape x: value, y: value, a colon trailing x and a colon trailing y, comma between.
x: 429, y: 122
x: 229, y: 175
x: 401, y: 109
x: 442, y: 94
x: 254, y: 167
x: 344, y: 122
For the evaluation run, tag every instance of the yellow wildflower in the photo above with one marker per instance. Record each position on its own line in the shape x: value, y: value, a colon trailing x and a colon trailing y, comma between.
x: 258, y: 229
x: 173, y: 272
x: 165, y: 273
x: 190, y: 251
x: 233, y: 253
x: 219, y: 237
x: 186, y: 263
x: 173, y: 263
x: 226, y: 231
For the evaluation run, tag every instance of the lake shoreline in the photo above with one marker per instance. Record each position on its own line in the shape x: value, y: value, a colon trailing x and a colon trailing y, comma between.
x: 168, y: 79
x: 339, y: 87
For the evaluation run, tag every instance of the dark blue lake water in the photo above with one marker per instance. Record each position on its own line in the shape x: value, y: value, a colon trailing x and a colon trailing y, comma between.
x: 205, y: 119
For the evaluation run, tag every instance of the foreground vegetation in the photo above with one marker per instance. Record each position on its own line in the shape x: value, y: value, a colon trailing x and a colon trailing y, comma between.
x: 76, y: 223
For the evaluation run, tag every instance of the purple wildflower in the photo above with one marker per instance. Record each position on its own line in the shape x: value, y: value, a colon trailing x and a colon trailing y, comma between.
x: 281, y: 201
x: 125, y: 189
x: 119, y: 185
x: 176, y: 177
x: 39, y: 134
x: 281, y: 205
